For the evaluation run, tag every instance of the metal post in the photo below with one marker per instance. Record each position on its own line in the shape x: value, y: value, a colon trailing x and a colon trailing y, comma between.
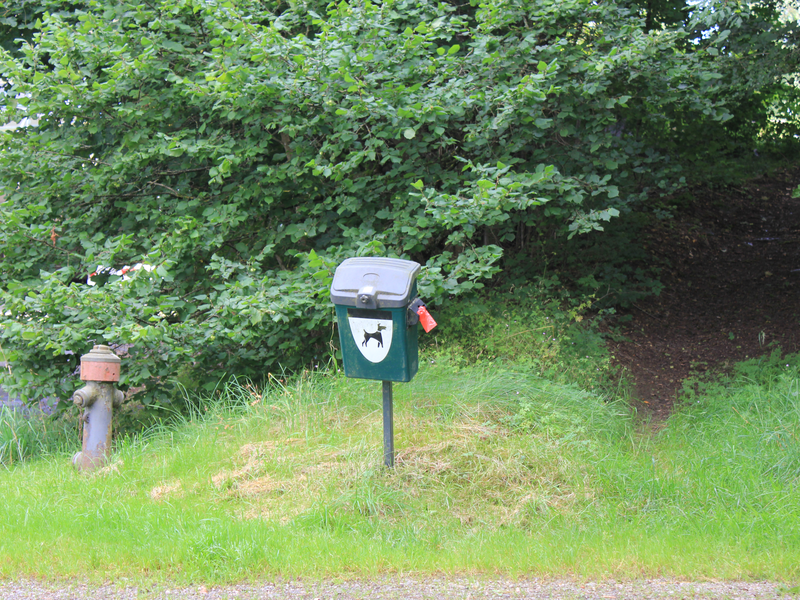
x: 388, y: 425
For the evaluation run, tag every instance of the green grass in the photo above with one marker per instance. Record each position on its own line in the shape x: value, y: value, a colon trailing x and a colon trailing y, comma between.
x: 497, y: 471
x: 526, y: 329
x: 32, y: 433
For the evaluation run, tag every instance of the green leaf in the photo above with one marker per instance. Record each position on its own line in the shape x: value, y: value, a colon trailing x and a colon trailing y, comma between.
x: 409, y: 133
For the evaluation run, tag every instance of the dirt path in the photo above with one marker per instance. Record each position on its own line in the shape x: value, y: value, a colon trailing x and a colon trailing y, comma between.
x: 732, y: 279
x: 407, y: 588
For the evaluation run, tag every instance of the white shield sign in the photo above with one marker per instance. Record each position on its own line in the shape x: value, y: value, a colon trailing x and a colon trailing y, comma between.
x: 373, y: 336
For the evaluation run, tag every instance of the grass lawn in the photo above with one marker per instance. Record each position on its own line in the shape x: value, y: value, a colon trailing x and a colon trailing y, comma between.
x: 498, y: 471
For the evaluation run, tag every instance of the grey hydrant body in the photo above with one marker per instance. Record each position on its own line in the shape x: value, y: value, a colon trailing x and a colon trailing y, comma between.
x: 100, y: 368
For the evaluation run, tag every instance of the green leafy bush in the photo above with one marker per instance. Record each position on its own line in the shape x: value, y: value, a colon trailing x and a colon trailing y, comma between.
x: 243, y: 149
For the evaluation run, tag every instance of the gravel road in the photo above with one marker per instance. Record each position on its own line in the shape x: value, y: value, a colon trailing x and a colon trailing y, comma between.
x: 409, y: 588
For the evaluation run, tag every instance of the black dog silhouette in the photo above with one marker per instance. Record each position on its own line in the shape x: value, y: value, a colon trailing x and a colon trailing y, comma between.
x: 377, y: 336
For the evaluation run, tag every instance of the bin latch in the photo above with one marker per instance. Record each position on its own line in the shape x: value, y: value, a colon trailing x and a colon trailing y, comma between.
x: 366, y: 297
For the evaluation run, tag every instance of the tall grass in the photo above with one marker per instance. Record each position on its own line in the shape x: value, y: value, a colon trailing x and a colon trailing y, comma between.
x: 272, y: 476
x: 497, y: 471
x: 723, y: 472
x: 732, y: 453
x: 26, y: 433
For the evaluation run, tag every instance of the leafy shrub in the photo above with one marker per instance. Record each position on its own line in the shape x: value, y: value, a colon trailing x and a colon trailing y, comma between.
x: 244, y: 149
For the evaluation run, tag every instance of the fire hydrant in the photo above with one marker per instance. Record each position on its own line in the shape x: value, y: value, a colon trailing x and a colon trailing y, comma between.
x: 100, y: 369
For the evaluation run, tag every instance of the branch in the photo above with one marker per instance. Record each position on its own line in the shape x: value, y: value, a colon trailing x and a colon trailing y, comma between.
x: 166, y: 187
x: 51, y: 246
x: 182, y: 171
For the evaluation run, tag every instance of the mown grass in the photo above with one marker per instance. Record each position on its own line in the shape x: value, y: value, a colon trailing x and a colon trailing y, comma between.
x: 497, y: 471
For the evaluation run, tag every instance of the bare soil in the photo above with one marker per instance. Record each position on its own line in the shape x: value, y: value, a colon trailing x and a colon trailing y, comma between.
x: 731, y: 277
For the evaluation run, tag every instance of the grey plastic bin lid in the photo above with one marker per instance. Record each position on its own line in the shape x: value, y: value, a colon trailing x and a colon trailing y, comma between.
x: 386, y: 281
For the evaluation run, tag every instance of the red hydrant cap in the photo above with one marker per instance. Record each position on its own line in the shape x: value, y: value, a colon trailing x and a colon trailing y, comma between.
x: 101, y: 364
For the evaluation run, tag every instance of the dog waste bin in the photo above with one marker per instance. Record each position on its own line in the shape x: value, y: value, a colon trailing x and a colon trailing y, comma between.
x: 378, y: 311
x: 372, y: 298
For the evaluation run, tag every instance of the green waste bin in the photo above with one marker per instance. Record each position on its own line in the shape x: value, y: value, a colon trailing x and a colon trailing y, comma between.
x: 377, y: 330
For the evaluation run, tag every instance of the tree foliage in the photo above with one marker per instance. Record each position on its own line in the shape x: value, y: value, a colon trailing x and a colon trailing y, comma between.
x: 18, y: 20
x: 244, y: 148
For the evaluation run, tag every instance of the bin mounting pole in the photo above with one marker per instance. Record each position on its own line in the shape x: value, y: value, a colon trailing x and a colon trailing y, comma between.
x: 388, y: 425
